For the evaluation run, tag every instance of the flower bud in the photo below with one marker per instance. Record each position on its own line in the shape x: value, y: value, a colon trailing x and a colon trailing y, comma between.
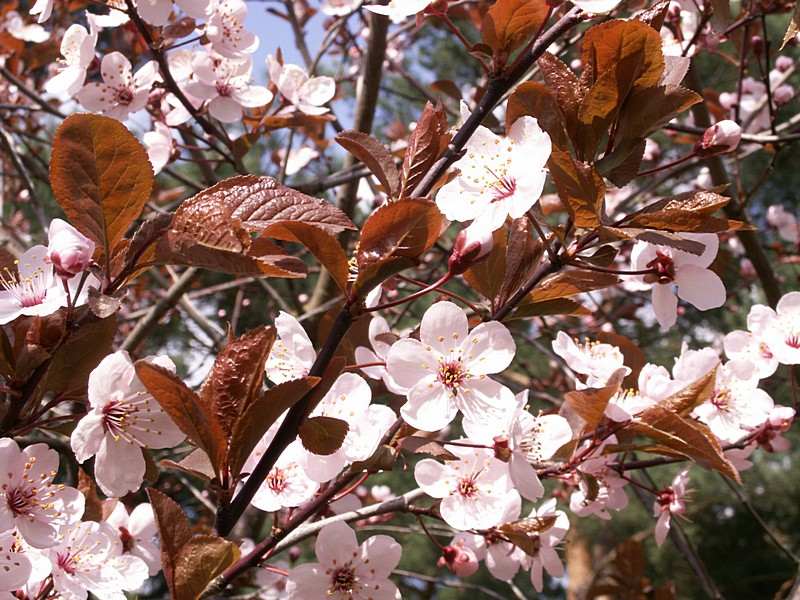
x: 471, y: 246
x: 502, y: 450
x: 783, y: 94
x: 784, y: 63
x: 723, y: 136
x: 69, y: 251
x: 461, y: 561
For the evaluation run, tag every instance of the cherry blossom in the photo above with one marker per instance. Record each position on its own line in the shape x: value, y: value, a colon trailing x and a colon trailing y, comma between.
x: 498, y: 176
x: 89, y: 558
x: 339, y: 8
x: 598, y: 361
x: 530, y: 439
x: 346, y: 571
x: 606, y: 491
x: 225, y: 84
x: 304, y: 93
x: 29, y: 500
x: 502, y: 558
x: 654, y: 384
x: 77, y: 48
x: 159, y: 145
x: 349, y: 400
x: 292, y: 353
x: 122, y: 91
x: 68, y: 250
x: 670, y: 501
x: 380, y: 338
x: 696, y: 283
x: 460, y: 559
x: 15, y: 566
x: 117, y: 15
x: 123, y: 418
x: 446, y: 369
x: 138, y: 533
x: 33, y: 290
x: 226, y: 31
x: 751, y: 345
x: 399, y: 10
x: 691, y: 364
x: 785, y: 222
x: 475, y: 489
x: 723, y: 136
x: 18, y: 28
x: 546, y: 558
x: 737, y: 405
x: 157, y: 12
x: 782, y: 333
x: 778, y: 422
x: 287, y: 484
x: 472, y: 244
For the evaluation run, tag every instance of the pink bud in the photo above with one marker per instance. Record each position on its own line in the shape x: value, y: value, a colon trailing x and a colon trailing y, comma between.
x: 461, y: 561
x: 783, y: 63
x: 69, y: 251
x: 783, y: 94
x: 471, y: 246
x: 723, y: 136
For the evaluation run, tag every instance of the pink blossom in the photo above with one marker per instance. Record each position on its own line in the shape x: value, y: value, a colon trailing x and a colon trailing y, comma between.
x: 446, y: 370
x: 15, y: 566
x: 499, y: 177
x: 475, y: 489
x: 89, y: 558
x: 349, y: 400
x: 459, y: 559
x: 122, y: 91
x: 752, y: 346
x: 695, y: 282
x: 782, y: 332
x: 226, y: 30
x: 778, y: 422
x: 304, y: 93
x: 123, y: 419
x: 29, y: 500
x: 292, y: 353
x: 225, y: 84
x: 69, y: 251
x: 546, y: 558
x: 33, y: 290
x: 138, y: 533
x: 723, y: 136
x: 606, y: 491
x: 670, y: 501
x: 159, y: 145
x: 43, y: 8
x: 598, y: 361
x: 77, y: 49
x: 27, y: 32
x: 346, y: 571
x: 785, y: 222
x: 654, y: 384
x: 157, y: 12
x: 399, y: 10
x: 471, y: 245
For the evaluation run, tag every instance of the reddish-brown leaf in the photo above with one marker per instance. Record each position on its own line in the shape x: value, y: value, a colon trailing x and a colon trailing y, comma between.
x: 685, y: 400
x: 375, y: 156
x: 590, y: 404
x: 572, y: 282
x: 425, y: 145
x: 200, y: 560
x: 101, y: 177
x: 511, y: 23
x: 323, y: 435
x: 534, y: 99
x: 174, y: 532
x: 580, y: 188
x: 237, y: 376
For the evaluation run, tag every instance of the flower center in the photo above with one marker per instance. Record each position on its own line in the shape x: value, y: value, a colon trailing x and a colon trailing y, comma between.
x: 467, y: 487
x: 451, y: 375
x: 115, y: 419
x: 664, y: 268
x: 765, y: 351
x: 127, y: 539
x: 504, y: 188
x: 721, y: 398
x: 21, y: 500
x: 224, y: 88
x: 793, y: 340
x: 276, y: 480
x: 27, y: 291
x: 67, y: 563
x: 530, y: 444
x: 123, y: 96
x: 343, y: 580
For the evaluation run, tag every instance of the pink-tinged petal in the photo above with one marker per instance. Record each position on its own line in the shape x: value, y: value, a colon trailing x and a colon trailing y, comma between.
x: 383, y: 554
x: 700, y: 287
x: 115, y: 372
x: 336, y: 544
x: 253, y: 96
x: 444, y: 327
x: 481, y: 398
x: 760, y: 318
x: 225, y: 109
x: 119, y: 467
x: 379, y: 333
x: 15, y: 567
x: 367, y: 431
x: 665, y: 305
x: 711, y: 243
x: 662, y: 527
x: 537, y: 576
x: 502, y: 561
x: 37, y: 533
x: 348, y: 398
x: 556, y: 432
x: 307, y: 581
x: 365, y: 356
x: 525, y: 478
x: 433, y: 477
x: 318, y: 90
x: 551, y: 562
x: 68, y: 81
x: 322, y: 468
x: 488, y: 349
x: 295, y: 338
x: 116, y: 69
x: 480, y: 512
x: 788, y: 304
x: 87, y: 436
x: 410, y: 361
x: 95, y: 97
x: 430, y: 406
x: 44, y: 461
x: 155, y: 12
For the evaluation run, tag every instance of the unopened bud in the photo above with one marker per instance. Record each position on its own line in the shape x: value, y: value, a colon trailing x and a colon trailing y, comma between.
x: 502, y: 451
x: 757, y: 44
x: 719, y: 138
x: 461, y: 561
x: 471, y: 246
x: 69, y: 251
x: 783, y: 94
x: 784, y: 63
